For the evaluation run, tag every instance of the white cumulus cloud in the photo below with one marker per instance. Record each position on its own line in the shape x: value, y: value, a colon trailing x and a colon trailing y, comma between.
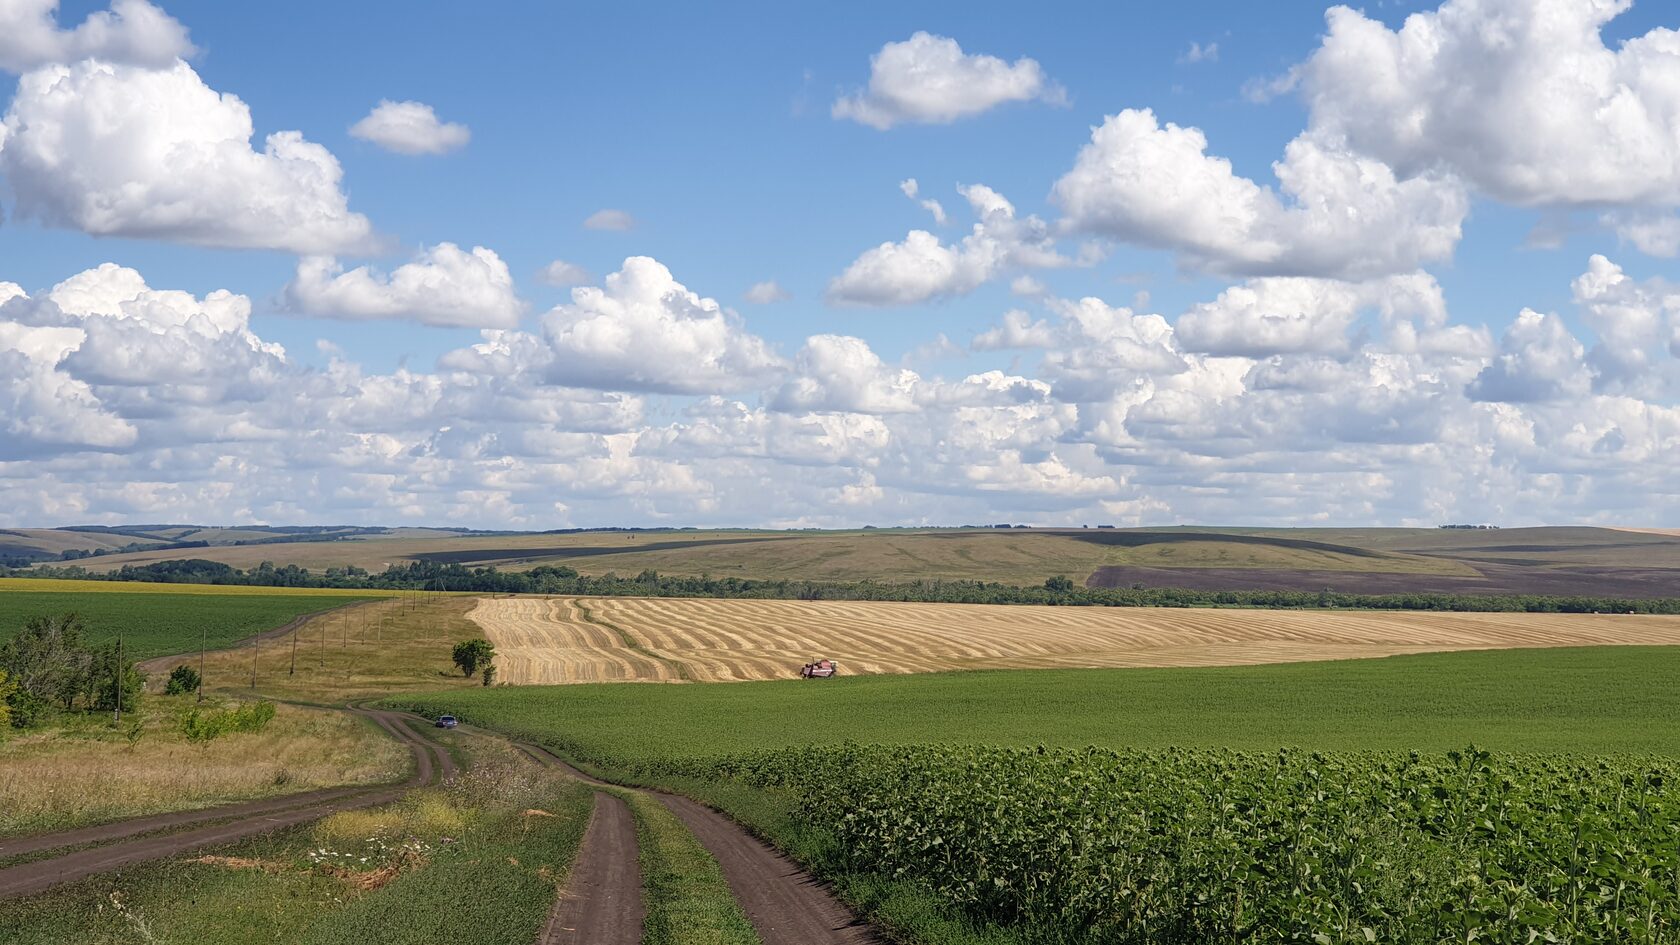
x: 842, y: 373
x: 131, y: 32
x: 410, y: 128
x: 116, y: 150
x: 645, y: 331
x: 929, y: 79
x: 1339, y: 214
x: 563, y: 273
x: 766, y: 293
x: 1521, y: 97
x: 444, y: 285
x: 921, y: 267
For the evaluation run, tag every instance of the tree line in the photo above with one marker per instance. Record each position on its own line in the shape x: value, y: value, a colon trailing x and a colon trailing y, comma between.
x: 1057, y: 591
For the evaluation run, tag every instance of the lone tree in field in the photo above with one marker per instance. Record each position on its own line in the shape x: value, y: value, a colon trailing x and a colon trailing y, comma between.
x: 471, y: 654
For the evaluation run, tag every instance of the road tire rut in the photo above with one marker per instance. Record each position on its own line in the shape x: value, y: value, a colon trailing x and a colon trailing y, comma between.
x: 602, y: 902
x: 787, y: 905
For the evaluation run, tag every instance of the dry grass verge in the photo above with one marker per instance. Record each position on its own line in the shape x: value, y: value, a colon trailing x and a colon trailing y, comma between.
x: 87, y: 772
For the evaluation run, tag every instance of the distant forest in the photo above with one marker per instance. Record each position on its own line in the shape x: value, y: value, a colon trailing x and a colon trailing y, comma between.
x: 1058, y: 591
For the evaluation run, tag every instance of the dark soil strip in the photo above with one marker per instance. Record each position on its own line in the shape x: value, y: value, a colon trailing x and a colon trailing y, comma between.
x: 1496, y: 579
x: 786, y: 904
x: 602, y: 903
x: 430, y: 762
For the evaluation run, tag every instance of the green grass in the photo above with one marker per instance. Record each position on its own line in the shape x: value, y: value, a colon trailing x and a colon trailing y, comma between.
x: 688, y: 900
x: 1587, y: 700
x: 157, y: 624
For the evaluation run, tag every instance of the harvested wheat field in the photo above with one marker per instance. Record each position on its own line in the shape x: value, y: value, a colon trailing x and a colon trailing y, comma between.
x: 565, y: 640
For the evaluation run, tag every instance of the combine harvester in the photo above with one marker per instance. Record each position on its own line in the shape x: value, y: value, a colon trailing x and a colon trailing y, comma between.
x: 821, y: 669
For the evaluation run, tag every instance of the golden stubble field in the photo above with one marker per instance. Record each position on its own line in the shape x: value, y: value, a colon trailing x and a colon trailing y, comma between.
x: 566, y: 640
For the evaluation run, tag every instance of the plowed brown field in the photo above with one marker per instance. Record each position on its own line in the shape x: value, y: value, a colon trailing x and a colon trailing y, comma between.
x: 564, y: 640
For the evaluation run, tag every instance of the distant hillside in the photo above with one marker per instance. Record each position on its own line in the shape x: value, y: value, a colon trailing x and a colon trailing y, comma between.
x: 1562, y: 560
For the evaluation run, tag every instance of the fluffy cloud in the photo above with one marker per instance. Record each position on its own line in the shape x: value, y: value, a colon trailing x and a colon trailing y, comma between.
x: 644, y: 331
x: 119, y: 401
x: 929, y: 79
x: 836, y: 372
x: 118, y: 150
x: 913, y: 190
x: 1279, y: 315
x: 1521, y: 97
x: 82, y: 366
x: 1539, y: 360
x: 445, y: 285
x: 766, y: 293
x: 410, y: 128
x: 616, y: 221
x: 563, y: 273
x: 1638, y: 329
x: 1339, y: 215
x: 132, y: 32
x: 921, y: 267
x: 1018, y: 330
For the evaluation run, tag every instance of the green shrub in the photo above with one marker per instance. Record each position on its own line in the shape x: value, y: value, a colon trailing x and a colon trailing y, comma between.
x: 182, y: 680
x: 199, y: 725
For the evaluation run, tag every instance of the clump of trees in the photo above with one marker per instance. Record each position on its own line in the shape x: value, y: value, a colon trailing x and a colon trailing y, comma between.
x: 49, y: 666
x: 473, y: 654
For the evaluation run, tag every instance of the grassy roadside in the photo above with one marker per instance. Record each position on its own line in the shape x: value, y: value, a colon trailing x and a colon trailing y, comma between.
x: 475, y: 861
x: 688, y: 900
x: 84, y: 770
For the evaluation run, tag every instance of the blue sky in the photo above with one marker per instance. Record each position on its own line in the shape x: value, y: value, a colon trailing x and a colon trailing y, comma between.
x: 716, y: 130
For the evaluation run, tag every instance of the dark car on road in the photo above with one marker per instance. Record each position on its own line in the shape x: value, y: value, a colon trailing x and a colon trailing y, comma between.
x: 446, y: 721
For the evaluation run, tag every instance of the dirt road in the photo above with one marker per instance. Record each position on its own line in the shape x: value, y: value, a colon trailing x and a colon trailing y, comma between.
x: 139, y: 840
x: 786, y: 905
x: 602, y: 901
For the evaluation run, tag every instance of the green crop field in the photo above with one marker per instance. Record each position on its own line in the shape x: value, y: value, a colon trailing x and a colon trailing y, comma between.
x: 156, y: 622
x: 1587, y: 700
x: 1160, y: 806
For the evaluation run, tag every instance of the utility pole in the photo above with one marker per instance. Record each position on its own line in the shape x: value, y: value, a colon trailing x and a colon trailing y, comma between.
x: 116, y: 682
x: 295, y: 634
x: 203, y: 644
x: 256, y: 650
